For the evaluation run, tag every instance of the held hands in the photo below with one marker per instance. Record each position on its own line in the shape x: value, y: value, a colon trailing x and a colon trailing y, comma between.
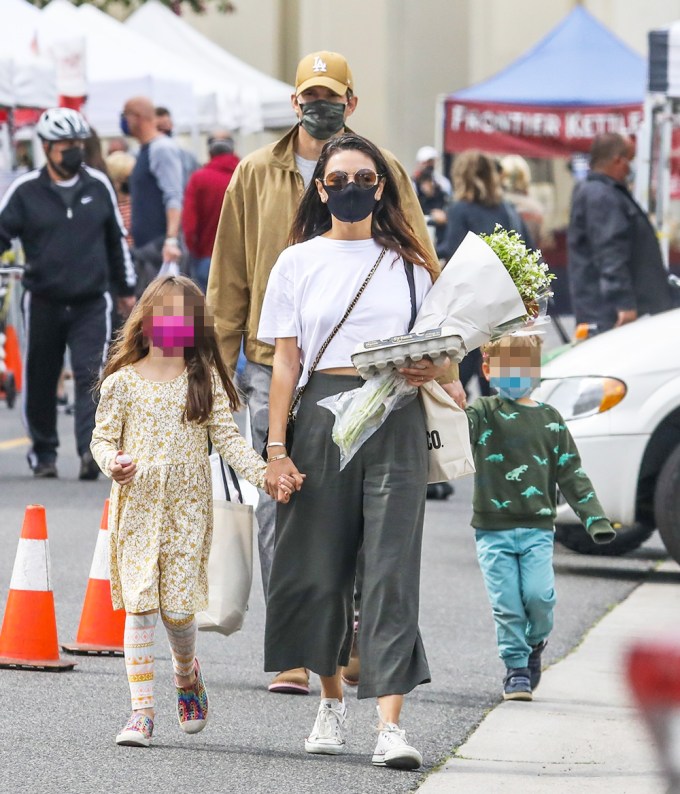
x: 424, y: 371
x: 456, y: 392
x: 282, y: 479
x: 123, y: 472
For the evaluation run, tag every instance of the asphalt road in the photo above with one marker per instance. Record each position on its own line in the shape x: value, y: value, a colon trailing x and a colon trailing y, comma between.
x: 57, y: 729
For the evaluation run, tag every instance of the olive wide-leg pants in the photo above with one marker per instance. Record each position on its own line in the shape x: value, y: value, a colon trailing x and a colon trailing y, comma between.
x: 378, y: 502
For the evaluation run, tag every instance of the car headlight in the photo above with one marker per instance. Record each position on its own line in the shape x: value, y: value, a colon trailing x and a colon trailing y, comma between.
x: 576, y: 398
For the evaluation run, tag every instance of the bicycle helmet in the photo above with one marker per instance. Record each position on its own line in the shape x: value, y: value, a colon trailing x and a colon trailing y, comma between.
x: 63, y: 124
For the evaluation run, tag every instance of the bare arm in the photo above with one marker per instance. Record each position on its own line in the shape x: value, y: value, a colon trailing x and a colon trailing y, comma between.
x: 284, y: 377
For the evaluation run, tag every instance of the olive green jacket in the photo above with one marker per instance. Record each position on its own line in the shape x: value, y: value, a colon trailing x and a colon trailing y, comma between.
x: 257, y: 215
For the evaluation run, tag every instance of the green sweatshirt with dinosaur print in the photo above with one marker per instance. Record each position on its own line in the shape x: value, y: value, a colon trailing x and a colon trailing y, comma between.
x: 522, y: 453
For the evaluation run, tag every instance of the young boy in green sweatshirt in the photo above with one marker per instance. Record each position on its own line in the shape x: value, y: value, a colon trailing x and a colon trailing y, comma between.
x: 523, y: 451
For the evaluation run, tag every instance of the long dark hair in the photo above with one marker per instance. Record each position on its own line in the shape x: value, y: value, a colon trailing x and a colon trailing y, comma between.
x: 132, y: 344
x: 389, y: 226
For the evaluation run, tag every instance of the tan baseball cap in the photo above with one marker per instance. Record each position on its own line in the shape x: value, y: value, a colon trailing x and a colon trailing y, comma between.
x: 329, y: 69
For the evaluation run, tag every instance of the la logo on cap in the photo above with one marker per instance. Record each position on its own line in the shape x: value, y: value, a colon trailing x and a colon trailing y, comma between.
x: 319, y: 65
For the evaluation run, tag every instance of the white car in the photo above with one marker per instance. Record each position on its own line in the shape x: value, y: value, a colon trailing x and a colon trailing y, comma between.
x: 620, y: 395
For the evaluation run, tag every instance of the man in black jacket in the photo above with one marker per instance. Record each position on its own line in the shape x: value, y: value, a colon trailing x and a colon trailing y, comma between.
x: 73, y: 236
x: 616, y: 270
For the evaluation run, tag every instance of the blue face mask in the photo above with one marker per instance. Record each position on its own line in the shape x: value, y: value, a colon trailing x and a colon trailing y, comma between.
x: 124, y: 126
x: 512, y: 387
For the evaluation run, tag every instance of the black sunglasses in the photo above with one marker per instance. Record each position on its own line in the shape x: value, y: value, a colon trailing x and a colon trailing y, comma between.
x: 365, y: 179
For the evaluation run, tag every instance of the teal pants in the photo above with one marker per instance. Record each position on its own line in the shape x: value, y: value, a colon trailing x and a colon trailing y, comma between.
x: 518, y: 573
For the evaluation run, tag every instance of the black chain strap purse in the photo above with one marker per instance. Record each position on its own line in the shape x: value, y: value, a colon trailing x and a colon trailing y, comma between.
x: 290, y: 423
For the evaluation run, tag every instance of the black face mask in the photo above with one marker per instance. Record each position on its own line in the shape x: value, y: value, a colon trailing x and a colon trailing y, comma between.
x: 71, y: 160
x: 352, y: 203
x: 322, y: 119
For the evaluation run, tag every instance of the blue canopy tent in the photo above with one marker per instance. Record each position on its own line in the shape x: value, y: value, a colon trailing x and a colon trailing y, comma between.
x: 578, y: 81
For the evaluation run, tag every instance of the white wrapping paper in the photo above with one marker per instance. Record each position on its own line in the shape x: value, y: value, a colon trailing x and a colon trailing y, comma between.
x: 474, y: 295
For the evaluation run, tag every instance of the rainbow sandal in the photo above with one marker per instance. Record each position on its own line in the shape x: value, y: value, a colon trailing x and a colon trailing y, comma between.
x: 192, y: 704
x: 137, y: 731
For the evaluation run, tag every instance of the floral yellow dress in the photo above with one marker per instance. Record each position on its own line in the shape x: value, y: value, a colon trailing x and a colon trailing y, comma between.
x: 161, y: 523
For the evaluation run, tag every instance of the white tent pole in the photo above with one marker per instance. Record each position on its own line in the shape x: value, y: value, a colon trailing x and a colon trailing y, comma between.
x: 439, y: 116
x: 195, y: 139
x: 6, y: 142
x: 663, y: 190
x: 643, y: 155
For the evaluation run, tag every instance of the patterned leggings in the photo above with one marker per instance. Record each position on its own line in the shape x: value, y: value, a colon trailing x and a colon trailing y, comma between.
x: 140, y: 631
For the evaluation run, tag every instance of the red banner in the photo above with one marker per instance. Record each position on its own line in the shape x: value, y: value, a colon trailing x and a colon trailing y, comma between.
x: 533, y: 130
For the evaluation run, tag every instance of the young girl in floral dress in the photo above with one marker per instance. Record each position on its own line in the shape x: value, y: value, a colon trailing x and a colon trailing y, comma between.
x: 164, y: 392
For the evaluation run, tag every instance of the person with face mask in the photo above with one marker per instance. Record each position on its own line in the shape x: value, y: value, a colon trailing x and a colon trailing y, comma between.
x: 66, y: 216
x: 355, y: 271
x: 615, y: 264
x: 523, y: 452
x: 258, y: 210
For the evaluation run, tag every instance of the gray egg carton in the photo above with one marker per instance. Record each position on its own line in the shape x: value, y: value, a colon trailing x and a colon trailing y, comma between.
x: 384, y: 355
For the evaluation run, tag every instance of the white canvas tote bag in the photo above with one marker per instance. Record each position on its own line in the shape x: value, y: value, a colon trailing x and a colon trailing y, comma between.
x: 230, y: 565
x: 448, y: 435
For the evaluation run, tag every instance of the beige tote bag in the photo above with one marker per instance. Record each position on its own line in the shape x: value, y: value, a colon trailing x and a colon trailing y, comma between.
x: 448, y: 435
x: 230, y: 565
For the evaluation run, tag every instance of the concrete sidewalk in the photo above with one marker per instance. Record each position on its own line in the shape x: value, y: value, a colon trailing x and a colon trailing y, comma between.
x: 581, y: 732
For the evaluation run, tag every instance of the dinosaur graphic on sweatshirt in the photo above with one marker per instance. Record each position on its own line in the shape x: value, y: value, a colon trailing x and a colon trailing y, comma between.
x: 499, y: 458
x: 587, y: 498
x: 501, y: 505
x: 532, y: 491
x: 565, y: 457
x: 484, y: 438
x: 555, y: 427
x: 509, y: 417
x: 516, y: 474
x: 540, y: 461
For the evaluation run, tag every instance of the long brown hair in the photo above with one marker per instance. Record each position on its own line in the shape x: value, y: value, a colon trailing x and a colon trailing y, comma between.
x: 132, y: 344
x: 475, y: 179
x: 389, y: 226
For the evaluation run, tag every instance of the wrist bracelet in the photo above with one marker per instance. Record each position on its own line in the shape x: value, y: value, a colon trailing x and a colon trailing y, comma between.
x: 277, y: 457
x: 171, y: 240
x: 275, y: 444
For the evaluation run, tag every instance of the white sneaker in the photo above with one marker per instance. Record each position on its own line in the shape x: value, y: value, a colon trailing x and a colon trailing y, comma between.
x: 394, y: 751
x: 328, y: 733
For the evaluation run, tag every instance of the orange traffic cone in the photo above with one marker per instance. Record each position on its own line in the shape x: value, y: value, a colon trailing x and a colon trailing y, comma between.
x: 13, y: 355
x: 28, y: 638
x: 101, y: 629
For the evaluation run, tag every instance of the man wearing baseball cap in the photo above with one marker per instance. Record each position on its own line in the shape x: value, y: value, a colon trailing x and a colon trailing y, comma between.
x: 257, y: 214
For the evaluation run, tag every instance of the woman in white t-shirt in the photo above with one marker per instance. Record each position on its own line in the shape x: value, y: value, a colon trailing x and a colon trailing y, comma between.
x: 349, y: 219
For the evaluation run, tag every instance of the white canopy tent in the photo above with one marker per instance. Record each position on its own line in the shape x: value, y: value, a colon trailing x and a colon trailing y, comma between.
x: 116, y: 66
x: 25, y: 80
x: 121, y: 63
x: 262, y: 97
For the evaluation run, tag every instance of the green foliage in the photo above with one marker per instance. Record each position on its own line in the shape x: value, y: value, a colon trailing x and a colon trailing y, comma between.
x: 531, y: 276
x: 199, y: 6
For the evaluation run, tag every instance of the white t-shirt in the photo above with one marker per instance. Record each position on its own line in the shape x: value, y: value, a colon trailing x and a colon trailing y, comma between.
x: 311, y: 286
x: 306, y: 168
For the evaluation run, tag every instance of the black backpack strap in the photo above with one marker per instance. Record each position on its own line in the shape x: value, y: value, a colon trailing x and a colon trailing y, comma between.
x: 408, y: 267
